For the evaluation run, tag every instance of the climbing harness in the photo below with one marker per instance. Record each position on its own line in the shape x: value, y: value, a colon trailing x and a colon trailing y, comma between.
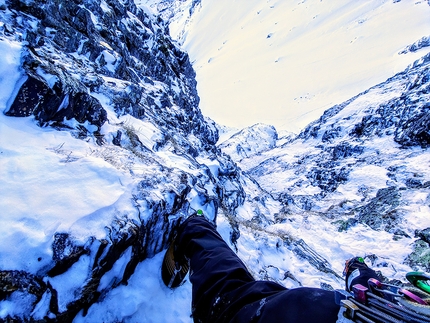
x: 385, y: 303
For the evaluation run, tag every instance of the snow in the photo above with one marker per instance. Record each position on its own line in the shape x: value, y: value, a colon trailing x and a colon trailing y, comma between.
x: 284, y: 62
x: 145, y: 299
x: 9, y: 70
x: 75, y: 276
x: 116, y: 271
x: 31, y: 174
x: 52, y: 182
x: 372, y: 175
x: 19, y: 304
x: 110, y: 60
x: 49, y: 78
x: 104, y: 6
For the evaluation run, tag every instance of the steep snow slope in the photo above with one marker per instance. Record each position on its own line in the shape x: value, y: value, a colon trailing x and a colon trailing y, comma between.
x: 257, y: 138
x: 284, y: 62
x: 103, y: 150
x: 106, y: 153
x: 252, y: 141
x: 362, y: 168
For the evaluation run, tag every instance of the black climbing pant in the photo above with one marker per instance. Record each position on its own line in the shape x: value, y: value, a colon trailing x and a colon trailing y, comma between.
x: 224, y: 291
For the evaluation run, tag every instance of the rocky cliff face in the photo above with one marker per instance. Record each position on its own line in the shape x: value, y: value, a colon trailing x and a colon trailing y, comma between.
x: 86, y: 65
x: 78, y: 48
x: 109, y: 74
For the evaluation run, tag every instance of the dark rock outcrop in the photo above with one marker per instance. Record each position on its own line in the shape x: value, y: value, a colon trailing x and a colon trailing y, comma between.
x: 421, y: 254
x: 381, y: 213
x: 53, y: 106
x: 419, y: 44
x: 75, y: 47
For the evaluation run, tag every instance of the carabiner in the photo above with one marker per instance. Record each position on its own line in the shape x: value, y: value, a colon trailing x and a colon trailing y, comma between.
x: 377, y: 287
x: 420, y: 280
x: 389, y: 292
x: 412, y: 297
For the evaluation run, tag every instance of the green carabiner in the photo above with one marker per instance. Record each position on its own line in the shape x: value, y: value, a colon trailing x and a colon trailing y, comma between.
x: 420, y: 280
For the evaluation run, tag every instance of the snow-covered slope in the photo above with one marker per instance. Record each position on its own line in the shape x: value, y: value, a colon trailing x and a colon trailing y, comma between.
x: 284, y: 62
x: 103, y: 150
x: 258, y: 138
x: 361, y: 169
x: 252, y: 141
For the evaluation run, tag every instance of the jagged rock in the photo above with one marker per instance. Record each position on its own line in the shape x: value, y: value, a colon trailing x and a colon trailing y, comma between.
x: 423, y: 235
x: 407, y: 117
x: 380, y: 212
x: 302, y: 202
x: 419, y: 44
x: 289, y: 275
x: 327, y: 177
x: 29, y: 97
x: 65, y: 253
x: 143, y: 239
x: 368, y: 125
x: 312, y: 130
x: 416, y: 183
x: 304, y: 251
x: 117, y: 139
x: 344, y: 225
x: 330, y: 134
x: 127, y: 101
x: 54, y: 105
x: 13, y: 280
x: 122, y: 43
x: 25, y: 290
x: 399, y: 234
x: 345, y: 150
x: 415, y: 132
x: 420, y: 257
x: 234, y: 234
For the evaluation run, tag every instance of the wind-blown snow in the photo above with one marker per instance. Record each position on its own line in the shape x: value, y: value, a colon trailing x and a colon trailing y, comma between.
x: 284, y: 62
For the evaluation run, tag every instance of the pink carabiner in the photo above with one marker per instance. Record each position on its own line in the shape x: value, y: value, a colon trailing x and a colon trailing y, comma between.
x: 375, y: 283
x: 412, y: 297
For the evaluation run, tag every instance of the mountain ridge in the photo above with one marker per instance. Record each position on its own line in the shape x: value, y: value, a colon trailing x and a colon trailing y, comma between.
x: 388, y: 134
x: 104, y: 151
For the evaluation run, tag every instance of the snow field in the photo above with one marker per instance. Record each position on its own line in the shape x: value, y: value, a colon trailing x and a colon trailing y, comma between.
x: 284, y: 63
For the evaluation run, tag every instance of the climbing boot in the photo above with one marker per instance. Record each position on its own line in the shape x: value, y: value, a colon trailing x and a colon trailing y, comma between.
x: 175, y: 264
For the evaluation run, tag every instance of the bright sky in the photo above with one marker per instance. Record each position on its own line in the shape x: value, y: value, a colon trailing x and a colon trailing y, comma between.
x: 285, y: 62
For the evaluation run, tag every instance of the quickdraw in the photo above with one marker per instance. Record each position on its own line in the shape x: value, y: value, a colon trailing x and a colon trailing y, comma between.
x: 390, y: 292
x: 383, y: 303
